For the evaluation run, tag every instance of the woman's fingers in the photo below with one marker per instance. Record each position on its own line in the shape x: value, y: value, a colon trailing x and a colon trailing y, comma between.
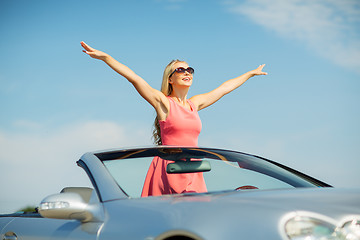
x: 89, y: 50
x: 260, y: 68
x: 86, y: 47
x: 93, y: 52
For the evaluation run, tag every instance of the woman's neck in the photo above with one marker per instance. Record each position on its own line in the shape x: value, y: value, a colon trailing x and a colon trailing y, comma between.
x: 180, y: 96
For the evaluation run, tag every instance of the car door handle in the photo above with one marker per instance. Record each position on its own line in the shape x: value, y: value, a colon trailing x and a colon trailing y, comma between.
x: 10, y: 236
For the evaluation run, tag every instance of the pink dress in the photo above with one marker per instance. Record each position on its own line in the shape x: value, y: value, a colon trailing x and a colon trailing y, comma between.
x: 181, y: 127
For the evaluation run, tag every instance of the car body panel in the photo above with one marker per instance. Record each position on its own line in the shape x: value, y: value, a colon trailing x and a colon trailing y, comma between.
x: 37, y: 228
x: 233, y: 212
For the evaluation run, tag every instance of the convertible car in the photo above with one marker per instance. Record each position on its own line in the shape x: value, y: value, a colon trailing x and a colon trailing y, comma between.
x: 247, y: 197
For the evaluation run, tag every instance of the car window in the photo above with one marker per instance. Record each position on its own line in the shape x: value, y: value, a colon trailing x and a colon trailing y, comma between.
x: 230, y: 176
x: 224, y: 175
x: 129, y: 173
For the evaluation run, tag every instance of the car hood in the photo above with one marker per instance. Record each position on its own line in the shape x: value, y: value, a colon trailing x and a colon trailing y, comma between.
x: 242, y: 212
x: 329, y: 201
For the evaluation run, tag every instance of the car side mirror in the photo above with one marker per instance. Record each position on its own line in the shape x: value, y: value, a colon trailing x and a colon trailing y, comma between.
x: 70, y: 206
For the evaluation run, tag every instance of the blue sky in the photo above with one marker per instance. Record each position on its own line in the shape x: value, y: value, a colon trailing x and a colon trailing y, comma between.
x: 57, y: 103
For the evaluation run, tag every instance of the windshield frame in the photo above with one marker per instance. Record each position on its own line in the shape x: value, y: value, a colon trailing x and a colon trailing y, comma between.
x: 247, y: 161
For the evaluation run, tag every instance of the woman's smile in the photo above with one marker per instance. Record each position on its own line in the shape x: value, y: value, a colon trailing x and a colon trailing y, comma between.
x: 186, y: 79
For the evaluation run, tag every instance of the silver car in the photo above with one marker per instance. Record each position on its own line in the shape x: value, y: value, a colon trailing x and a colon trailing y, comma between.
x: 248, y: 197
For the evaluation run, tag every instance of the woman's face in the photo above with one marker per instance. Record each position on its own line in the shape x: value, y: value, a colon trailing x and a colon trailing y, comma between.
x: 181, y: 79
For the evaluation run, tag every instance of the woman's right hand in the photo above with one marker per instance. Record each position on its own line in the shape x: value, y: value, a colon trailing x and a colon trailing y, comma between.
x: 93, y: 52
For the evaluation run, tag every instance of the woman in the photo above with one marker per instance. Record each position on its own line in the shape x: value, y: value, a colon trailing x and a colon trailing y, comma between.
x: 177, y: 121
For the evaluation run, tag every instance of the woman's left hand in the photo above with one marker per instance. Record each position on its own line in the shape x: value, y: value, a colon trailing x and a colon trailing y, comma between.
x: 259, y: 71
x: 93, y: 52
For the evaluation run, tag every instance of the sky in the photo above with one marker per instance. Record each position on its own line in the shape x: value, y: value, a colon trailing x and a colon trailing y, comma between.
x: 57, y: 103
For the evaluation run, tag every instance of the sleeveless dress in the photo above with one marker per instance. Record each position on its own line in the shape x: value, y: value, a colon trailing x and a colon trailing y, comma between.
x: 182, y: 128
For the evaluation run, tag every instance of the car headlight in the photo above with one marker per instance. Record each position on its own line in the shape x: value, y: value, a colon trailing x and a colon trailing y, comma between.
x: 312, y: 226
x: 308, y: 228
x: 350, y: 229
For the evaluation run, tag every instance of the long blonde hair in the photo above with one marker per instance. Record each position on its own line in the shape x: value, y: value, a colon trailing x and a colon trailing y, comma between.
x: 166, y: 88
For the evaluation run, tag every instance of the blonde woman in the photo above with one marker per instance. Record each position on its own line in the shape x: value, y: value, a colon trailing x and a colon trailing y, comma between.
x: 177, y: 121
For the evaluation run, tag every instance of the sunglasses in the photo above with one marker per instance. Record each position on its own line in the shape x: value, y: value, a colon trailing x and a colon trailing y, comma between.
x: 182, y: 70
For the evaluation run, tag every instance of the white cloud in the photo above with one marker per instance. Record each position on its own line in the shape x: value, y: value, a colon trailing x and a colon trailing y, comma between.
x: 39, y: 162
x: 330, y: 28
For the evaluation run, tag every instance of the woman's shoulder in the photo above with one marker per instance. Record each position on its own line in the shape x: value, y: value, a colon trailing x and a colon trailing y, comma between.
x: 194, y: 102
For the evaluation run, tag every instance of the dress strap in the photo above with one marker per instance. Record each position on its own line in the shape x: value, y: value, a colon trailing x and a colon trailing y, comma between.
x: 192, y: 105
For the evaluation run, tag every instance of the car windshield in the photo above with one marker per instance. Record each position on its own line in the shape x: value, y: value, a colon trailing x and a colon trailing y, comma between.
x: 222, y: 170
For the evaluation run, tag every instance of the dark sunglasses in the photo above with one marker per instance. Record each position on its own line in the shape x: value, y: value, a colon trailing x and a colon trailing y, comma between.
x: 182, y: 70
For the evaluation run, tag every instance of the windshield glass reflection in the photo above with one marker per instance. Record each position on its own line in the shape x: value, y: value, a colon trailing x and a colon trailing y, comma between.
x: 229, y: 171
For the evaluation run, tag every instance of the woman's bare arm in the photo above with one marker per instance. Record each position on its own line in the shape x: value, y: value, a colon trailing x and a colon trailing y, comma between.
x: 151, y: 95
x: 202, y: 101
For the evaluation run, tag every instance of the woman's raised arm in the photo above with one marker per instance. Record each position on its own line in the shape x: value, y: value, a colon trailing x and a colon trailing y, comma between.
x: 204, y: 100
x: 153, y: 96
